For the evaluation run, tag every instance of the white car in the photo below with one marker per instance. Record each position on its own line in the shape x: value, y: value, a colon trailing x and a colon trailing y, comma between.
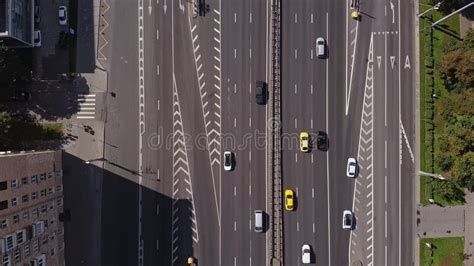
x: 347, y: 220
x: 306, y: 254
x: 228, y: 160
x: 37, y: 40
x: 321, y: 47
x: 62, y: 13
x: 351, y: 167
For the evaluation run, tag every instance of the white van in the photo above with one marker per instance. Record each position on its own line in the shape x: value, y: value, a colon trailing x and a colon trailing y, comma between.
x: 259, y: 221
x: 321, y: 47
x: 306, y: 254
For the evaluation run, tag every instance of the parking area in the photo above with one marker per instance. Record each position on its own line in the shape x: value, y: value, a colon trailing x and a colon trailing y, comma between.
x: 51, y: 59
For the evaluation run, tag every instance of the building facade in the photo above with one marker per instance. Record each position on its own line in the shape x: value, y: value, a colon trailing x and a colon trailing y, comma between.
x: 17, y: 23
x: 31, y: 200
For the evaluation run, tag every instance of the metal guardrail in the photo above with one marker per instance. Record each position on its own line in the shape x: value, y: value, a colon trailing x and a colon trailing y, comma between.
x: 276, y: 245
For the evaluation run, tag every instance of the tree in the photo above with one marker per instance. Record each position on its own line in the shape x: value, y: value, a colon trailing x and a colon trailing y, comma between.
x: 15, y: 70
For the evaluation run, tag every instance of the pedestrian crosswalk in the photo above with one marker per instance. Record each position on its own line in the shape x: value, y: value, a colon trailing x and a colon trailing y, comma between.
x: 86, y: 106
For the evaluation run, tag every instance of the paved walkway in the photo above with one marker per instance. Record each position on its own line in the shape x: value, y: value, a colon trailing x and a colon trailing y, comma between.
x: 437, y: 221
x: 469, y: 230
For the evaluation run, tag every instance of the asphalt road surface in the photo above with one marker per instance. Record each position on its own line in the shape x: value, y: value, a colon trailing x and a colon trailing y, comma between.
x: 185, y: 93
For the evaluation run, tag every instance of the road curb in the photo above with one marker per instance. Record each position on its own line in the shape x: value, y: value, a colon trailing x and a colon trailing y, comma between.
x: 416, y: 81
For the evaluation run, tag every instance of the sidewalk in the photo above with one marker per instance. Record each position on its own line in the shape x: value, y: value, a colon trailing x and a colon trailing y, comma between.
x: 436, y: 221
x: 469, y: 230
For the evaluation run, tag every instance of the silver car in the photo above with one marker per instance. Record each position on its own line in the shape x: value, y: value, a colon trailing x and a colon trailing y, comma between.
x: 321, y: 47
x: 62, y: 14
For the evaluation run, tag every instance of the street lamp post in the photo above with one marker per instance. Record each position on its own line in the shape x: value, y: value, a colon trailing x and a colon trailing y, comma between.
x: 453, y: 13
x: 435, y: 7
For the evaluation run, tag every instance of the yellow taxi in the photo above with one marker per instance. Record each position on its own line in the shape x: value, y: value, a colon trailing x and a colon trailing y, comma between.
x: 304, y: 141
x: 289, y: 200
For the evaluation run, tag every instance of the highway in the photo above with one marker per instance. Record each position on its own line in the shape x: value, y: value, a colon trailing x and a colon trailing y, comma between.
x: 185, y: 91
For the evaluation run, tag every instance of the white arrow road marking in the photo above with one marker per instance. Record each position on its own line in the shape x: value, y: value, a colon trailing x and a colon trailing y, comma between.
x: 379, y: 60
x: 149, y: 7
x: 392, y: 60
x: 392, y: 7
x: 407, y: 63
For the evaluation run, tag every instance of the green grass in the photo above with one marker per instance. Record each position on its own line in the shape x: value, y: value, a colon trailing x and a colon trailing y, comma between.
x: 440, y: 39
x: 446, y: 251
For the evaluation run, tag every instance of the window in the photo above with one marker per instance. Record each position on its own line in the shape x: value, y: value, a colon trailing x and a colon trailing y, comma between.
x: 17, y: 255
x: 20, y: 237
x: 3, y: 185
x: 34, y: 179
x: 52, y: 236
x: 4, y: 223
x: 35, y: 244
x: 24, y: 180
x: 26, y: 215
x: 16, y: 219
x: 43, y: 192
x: 59, y: 202
x: 50, y: 206
x: 60, y: 231
x: 34, y: 212
x: 44, y: 208
x: 59, y: 188
x: 59, y: 173
x: 25, y: 198
x: 34, y: 195
x: 14, y: 201
x: 15, y: 183
x: 3, y: 205
x: 26, y: 249
x: 50, y: 174
x: 42, y: 177
x: 6, y: 260
x: 10, y: 243
x: 50, y: 191
x: 52, y: 252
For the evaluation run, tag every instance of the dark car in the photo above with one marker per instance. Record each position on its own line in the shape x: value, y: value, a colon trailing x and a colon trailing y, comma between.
x: 261, y: 92
x: 322, y: 141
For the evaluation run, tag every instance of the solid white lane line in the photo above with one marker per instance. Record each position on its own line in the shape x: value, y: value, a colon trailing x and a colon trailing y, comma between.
x: 327, y: 153
x: 385, y: 155
x: 385, y: 223
x: 385, y: 82
x: 385, y: 189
